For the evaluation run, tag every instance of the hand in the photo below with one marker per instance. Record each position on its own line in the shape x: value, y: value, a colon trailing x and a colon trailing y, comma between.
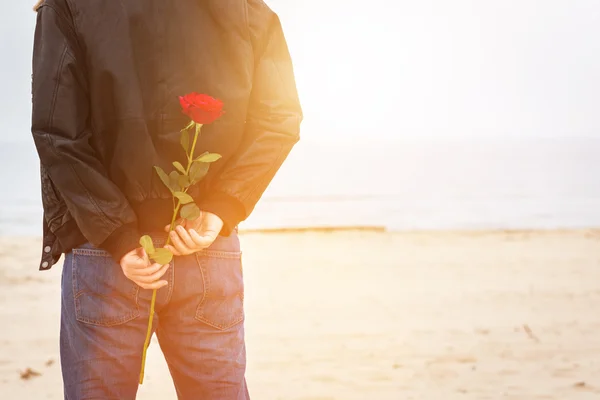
x: 192, y: 236
x: 136, y: 266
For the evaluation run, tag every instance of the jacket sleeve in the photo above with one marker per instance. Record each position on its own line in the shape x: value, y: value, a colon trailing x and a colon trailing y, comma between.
x: 272, y: 123
x: 61, y: 132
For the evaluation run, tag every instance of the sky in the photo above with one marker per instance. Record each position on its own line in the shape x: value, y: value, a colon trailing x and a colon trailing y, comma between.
x: 388, y: 69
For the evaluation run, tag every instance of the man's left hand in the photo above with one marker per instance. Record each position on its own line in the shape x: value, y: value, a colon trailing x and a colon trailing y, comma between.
x: 190, y: 237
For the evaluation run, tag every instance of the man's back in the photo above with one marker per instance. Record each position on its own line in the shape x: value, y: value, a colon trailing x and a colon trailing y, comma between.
x: 140, y: 55
x: 107, y: 76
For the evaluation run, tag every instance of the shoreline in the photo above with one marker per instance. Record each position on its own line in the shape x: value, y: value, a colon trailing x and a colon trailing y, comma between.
x: 441, y: 231
x: 384, y: 230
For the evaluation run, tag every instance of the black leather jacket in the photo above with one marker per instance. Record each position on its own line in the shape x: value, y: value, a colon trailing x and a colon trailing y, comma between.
x: 106, y: 81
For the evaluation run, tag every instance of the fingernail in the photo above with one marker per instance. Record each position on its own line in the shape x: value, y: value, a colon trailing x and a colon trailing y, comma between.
x: 193, y: 231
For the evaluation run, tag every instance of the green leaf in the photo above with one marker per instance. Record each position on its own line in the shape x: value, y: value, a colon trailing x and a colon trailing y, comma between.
x: 163, y: 176
x: 146, y: 243
x: 162, y: 256
x: 184, y: 181
x: 185, y: 141
x: 174, y: 181
x: 179, y: 167
x: 198, y: 171
x: 208, y: 157
x: 184, y: 198
x: 190, y: 211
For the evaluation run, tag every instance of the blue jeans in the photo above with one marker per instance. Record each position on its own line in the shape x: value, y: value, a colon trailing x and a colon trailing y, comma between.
x: 198, y: 321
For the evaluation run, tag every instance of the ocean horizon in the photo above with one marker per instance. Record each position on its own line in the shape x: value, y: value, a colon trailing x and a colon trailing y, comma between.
x: 406, y: 184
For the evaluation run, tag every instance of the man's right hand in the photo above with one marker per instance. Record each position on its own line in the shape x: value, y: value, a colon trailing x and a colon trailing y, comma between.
x: 136, y: 266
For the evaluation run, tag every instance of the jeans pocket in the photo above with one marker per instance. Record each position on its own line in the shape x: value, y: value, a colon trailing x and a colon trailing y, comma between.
x: 102, y: 293
x: 222, y: 303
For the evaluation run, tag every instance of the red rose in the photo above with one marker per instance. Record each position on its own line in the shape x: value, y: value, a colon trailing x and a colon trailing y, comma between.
x: 201, y: 108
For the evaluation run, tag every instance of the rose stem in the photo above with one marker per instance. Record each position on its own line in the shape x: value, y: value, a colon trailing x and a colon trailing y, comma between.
x: 153, y: 301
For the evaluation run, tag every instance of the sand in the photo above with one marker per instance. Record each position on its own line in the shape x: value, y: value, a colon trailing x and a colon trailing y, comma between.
x: 367, y: 315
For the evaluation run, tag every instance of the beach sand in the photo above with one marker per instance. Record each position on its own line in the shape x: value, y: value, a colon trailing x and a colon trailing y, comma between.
x: 367, y: 315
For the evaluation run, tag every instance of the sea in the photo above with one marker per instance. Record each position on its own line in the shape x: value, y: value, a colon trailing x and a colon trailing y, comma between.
x: 432, y: 183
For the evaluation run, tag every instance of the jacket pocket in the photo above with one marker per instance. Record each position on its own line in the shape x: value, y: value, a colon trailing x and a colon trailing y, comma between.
x: 103, y: 295
x: 222, y: 303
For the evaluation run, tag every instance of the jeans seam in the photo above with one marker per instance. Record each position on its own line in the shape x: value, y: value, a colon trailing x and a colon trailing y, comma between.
x: 91, y: 252
x: 220, y: 254
x: 131, y: 316
x: 73, y: 277
x: 199, y: 314
x: 172, y: 284
x: 205, y: 283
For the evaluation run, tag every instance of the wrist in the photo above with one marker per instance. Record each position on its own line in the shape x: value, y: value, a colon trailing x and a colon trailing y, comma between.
x: 121, y: 241
x: 229, y: 209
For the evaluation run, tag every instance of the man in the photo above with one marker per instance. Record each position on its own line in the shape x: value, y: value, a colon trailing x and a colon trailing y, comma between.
x: 106, y: 81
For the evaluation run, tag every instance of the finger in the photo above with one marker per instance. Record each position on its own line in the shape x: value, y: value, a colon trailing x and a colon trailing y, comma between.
x: 147, y: 279
x: 185, y: 237
x: 143, y: 255
x: 134, y: 255
x: 168, y: 227
x: 155, y: 285
x: 178, y: 244
x: 145, y: 271
x: 173, y: 250
x: 140, y: 252
x: 134, y: 263
x: 205, y: 240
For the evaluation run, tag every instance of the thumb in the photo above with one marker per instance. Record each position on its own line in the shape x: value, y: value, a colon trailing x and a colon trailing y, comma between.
x: 131, y: 255
x: 141, y: 253
x: 203, y: 238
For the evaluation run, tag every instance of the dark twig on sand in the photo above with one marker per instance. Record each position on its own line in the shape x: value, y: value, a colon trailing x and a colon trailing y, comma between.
x: 530, y: 333
x: 28, y: 374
